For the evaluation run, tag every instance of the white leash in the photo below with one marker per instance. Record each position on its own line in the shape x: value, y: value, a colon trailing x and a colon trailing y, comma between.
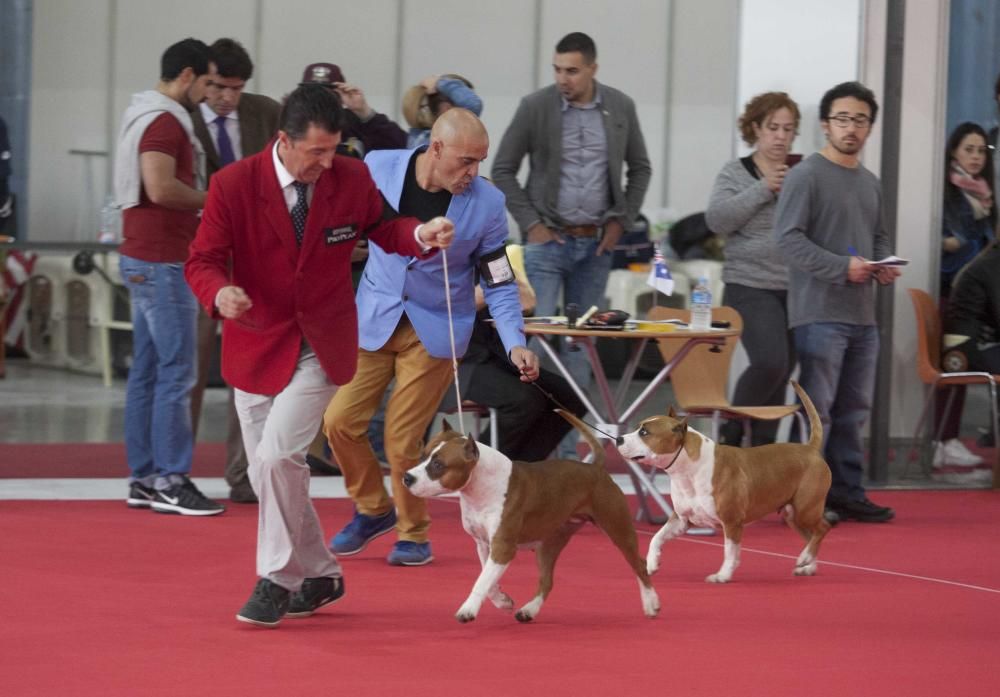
x: 451, y: 336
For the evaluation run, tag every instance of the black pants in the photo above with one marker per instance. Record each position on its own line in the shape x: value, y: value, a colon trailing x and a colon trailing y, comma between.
x: 528, y: 427
x: 771, y: 348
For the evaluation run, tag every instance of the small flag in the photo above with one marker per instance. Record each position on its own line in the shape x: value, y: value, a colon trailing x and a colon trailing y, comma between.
x: 659, y: 274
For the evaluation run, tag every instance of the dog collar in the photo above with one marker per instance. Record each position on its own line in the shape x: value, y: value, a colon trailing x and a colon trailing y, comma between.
x: 675, y: 458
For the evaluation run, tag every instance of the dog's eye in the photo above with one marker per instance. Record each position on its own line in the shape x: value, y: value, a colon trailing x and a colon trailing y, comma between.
x: 643, y: 431
x: 435, y: 469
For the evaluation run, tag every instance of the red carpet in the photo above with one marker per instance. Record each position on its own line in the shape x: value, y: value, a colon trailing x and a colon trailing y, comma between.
x: 101, y: 460
x: 102, y: 600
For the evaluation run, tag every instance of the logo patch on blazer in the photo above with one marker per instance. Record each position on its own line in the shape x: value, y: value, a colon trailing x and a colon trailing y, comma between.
x: 336, y: 235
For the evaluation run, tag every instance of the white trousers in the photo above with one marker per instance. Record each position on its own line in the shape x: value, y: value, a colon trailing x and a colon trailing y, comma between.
x: 277, y: 432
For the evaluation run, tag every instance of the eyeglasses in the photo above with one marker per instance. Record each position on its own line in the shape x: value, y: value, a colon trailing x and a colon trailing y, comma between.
x: 843, y: 120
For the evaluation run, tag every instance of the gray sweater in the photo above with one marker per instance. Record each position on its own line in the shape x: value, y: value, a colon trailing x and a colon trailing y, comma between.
x: 741, y: 209
x: 824, y: 211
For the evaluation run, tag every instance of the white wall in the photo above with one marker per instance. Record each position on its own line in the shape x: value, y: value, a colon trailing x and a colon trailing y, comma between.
x: 703, y: 68
x: 783, y: 49
x: 68, y: 111
x: 918, y: 229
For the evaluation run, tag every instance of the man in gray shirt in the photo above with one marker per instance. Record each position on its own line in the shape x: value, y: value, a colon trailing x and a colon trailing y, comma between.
x: 828, y: 225
x: 578, y: 136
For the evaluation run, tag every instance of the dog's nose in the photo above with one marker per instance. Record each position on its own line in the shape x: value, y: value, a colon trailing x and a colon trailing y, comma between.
x: 620, y: 440
x: 409, y: 480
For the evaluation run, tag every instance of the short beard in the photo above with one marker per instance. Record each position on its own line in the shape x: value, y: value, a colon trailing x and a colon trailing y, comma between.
x: 188, y: 103
x: 842, y: 151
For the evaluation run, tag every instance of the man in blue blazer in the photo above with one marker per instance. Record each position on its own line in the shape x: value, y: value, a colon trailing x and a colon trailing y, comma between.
x: 404, y: 330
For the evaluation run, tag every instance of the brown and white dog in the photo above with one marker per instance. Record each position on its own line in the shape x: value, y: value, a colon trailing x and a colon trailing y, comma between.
x: 538, y: 505
x: 712, y: 485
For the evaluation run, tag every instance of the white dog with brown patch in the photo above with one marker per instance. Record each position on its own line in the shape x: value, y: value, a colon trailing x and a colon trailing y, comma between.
x: 713, y: 485
x: 538, y: 505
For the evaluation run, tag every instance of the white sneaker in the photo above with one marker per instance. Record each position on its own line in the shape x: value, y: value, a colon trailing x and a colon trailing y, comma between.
x: 954, y: 452
x: 973, y: 477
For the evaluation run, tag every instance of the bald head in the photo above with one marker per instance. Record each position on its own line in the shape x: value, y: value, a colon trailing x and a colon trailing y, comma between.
x: 456, y: 125
x: 459, y: 144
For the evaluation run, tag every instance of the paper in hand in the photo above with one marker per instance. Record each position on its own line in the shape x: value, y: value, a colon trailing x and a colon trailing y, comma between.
x: 891, y: 260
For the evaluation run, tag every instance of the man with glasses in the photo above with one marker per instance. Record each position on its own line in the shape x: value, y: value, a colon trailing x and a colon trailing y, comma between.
x: 231, y: 124
x: 829, y: 226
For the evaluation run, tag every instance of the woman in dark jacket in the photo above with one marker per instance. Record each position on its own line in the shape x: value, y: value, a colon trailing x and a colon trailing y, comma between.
x: 968, y: 224
x: 969, y: 214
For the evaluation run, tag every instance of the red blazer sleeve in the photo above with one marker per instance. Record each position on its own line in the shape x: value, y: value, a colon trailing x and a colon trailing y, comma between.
x: 207, y: 267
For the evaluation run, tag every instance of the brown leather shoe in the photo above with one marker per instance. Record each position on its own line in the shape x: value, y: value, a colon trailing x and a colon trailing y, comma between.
x: 242, y: 493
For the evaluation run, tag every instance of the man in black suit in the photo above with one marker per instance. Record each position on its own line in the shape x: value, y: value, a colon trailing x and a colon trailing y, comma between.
x: 231, y: 124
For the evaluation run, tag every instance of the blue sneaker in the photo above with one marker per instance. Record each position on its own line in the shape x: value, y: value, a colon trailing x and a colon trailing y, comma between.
x: 406, y: 553
x: 360, y: 531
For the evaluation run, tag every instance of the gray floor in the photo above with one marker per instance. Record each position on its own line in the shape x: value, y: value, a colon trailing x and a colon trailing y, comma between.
x: 41, y: 404
x: 48, y: 405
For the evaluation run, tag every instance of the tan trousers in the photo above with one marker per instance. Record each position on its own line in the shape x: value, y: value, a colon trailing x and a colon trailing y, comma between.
x: 421, y: 382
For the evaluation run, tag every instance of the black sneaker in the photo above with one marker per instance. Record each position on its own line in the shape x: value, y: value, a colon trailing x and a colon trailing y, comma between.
x: 140, y: 495
x: 184, y: 498
x: 863, y: 511
x: 315, y: 593
x: 267, y: 605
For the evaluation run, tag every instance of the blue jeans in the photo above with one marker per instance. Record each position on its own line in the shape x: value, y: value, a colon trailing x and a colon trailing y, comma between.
x: 583, y: 278
x: 158, y: 436
x: 837, y: 370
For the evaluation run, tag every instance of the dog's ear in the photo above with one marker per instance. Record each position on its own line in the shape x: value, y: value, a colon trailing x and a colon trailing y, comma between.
x: 445, y: 426
x: 471, y: 451
x: 671, y: 413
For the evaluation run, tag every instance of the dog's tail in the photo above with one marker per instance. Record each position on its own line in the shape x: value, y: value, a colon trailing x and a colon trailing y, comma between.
x: 588, y: 435
x: 815, y: 425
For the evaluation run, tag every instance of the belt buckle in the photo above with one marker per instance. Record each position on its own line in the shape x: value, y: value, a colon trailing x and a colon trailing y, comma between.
x: 582, y: 230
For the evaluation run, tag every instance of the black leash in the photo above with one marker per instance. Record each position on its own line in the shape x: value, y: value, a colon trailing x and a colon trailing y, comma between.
x: 617, y: 439
x: 562, y: 406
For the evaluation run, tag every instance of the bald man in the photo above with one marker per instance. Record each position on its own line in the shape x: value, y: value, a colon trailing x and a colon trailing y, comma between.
x: 404, y: 333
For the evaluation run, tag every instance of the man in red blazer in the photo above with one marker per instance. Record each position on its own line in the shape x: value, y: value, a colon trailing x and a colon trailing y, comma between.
x: 287, y: 220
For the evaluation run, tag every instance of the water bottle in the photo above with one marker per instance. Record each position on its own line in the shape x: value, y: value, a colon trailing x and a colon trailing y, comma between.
x: 701, y: 306
x: 107, y: 232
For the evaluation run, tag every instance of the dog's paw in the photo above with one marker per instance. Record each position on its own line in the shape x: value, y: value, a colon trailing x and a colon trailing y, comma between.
x: 652, y: 564
x: 502, y: 601
x: 465, y: 616
x: 530, y: 610
x: 718, y: 578
x: 467, y: 612
x: 650, y: 602
x: 806, y: 569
